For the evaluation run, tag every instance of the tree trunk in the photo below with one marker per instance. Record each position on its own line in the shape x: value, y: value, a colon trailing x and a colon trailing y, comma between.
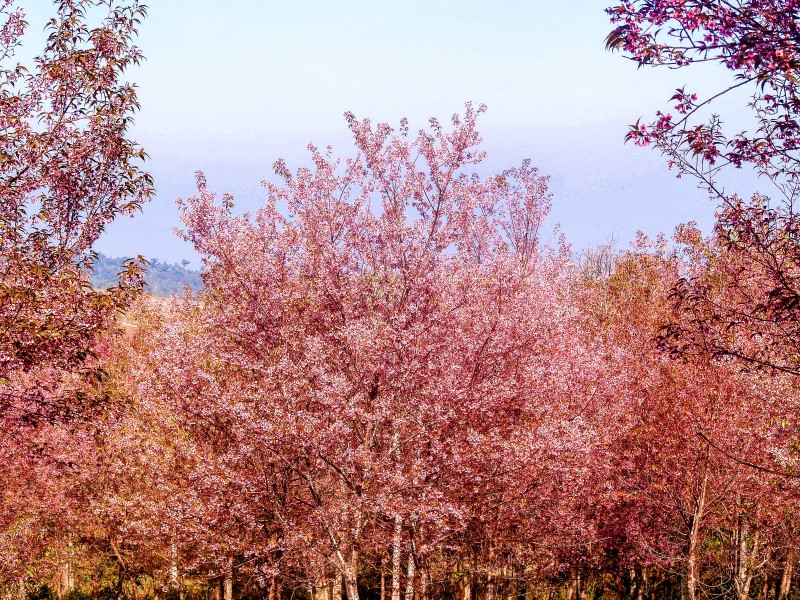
x: 64, y: 578
x: 410, y: 573
x: 351, y: 583
x: 320, y: 589
x: 228, y: 585
x: 174, y: 570
x: 351, y: 576
x: 693, y: 552
x: 573, y: 585
x: 692, y: 560
x: 275, y: 588
x: 746, y: 553
x: 786, y: 577
x: 489, y: 585
x: 396, y: 542
x: 120, y: 580
x: 490, y: 592
x: 641, y: 584
x: 424, y: 583
x: 337, y: 587
x: 69, y: 574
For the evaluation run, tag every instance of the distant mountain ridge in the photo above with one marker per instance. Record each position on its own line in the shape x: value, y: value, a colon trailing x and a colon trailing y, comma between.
x: 162, y: 278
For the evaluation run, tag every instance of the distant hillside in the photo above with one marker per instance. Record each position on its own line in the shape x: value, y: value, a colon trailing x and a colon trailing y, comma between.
x: 162, y: 278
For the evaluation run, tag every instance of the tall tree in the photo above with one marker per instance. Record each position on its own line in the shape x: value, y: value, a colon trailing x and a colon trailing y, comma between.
x: 67, y: 168
x: 384, y: 348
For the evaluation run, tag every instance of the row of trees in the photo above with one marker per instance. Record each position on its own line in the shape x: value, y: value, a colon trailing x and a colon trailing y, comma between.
x: 389, y: 383
x: 395, y: 382
x: 160, y: 278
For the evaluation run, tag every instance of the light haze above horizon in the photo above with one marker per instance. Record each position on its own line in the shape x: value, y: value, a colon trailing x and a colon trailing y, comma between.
x: 227, y: 88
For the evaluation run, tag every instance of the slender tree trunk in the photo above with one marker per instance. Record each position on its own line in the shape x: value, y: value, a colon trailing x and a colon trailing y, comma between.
x: 228, y: 585
x: 692, y: 559
x: 740, y: 547
x: 490, y: 592
x: 746, y: 553
x: 120, y: 580
x: 396, y: 546
x: 69, y: 573
x: 573, y: 585
x: 320, y: 589
x: 174, y: 570
x: 641, y: 588
x: 424, y: 583
x: 351, y: 576
x: 337, y: 587
x: 410, y: 573
x: 275, y: 588
x: 351, y: 583
x: 786, y: 577
x: 383, y: 582
x: 693, y: 552
x: 62, y: 579
x: 65, y: 577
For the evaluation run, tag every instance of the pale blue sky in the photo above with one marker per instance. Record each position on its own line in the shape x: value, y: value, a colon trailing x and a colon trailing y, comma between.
x: 229, y: 86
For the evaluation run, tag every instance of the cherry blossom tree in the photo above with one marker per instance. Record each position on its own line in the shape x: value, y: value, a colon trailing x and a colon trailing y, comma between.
x: 67, y: 169
x: 381, y: 351
x: 749, y: 311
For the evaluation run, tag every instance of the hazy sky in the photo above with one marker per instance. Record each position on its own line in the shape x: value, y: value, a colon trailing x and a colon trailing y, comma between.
x: 229, y: 86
